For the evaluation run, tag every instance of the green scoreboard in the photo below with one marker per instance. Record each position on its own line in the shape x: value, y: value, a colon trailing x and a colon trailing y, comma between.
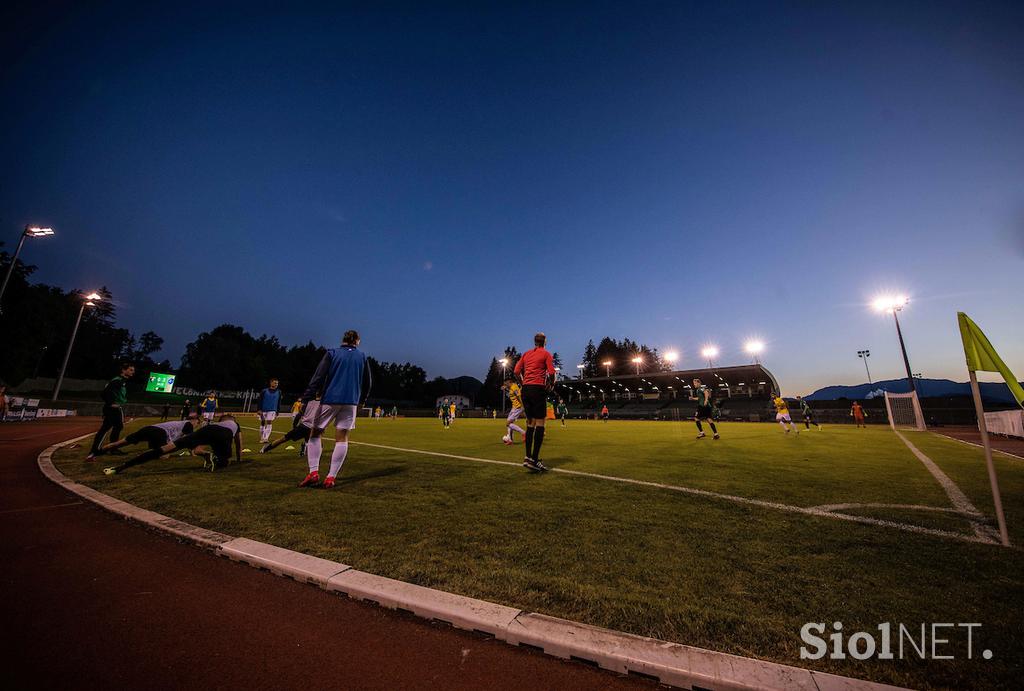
x: 160, y: 383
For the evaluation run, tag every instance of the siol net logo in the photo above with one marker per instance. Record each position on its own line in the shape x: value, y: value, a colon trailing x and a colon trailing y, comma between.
x: 938, y: 641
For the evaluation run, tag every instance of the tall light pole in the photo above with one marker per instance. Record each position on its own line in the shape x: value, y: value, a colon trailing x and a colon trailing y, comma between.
x: 504, y: 364
x: 754, y: 348
x: 710, y: 352
x: 581, y: 368
x: 89, y: 302
x: 607, y: 368
x: 896, y: 304
x: 638, y: 361
x: 864, y: 355
x: 29, y: 232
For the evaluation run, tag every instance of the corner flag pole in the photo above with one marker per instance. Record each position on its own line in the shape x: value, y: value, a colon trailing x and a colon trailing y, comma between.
x: 983, y: 428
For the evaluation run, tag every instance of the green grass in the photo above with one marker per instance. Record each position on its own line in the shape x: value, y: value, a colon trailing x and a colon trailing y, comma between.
x: 703, y: 571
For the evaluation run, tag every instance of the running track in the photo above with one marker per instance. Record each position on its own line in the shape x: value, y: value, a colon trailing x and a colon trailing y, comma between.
x: 90, y: 601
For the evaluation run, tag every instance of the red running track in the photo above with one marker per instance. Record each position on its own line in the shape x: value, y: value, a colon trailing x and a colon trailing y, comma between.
x: 93, y: 601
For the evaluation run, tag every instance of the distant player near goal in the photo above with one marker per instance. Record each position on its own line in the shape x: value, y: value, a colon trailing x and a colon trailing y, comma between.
x: 702, y: 395
x: 782, y: 414
x: 536, y: 370
x: 808, y: 414
x: 267, y: 406
x: 515, y: 398
x: 858, y: 414
x: 342, y: 380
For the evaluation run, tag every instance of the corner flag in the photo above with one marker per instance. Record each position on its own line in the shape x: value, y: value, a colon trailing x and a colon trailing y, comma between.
x: 982, y: 357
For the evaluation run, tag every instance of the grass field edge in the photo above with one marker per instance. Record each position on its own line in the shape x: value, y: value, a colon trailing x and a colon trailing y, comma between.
x: 673, y: 664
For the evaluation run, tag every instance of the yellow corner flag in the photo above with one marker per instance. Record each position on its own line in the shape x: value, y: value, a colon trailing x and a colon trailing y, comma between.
x: 982, y: 357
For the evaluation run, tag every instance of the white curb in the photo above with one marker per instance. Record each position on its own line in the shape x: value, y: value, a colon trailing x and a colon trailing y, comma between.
x: 670, y: 663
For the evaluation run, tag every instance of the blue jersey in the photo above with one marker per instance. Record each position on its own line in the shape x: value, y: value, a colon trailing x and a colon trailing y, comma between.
x: 341, y: 378
x: 269, y: 400
x: 209, y: 405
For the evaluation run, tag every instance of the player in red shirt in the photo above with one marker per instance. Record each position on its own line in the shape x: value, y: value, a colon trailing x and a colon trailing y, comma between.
x: 536, y: 371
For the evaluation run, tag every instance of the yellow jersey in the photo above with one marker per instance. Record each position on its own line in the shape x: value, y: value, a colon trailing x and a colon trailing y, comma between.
x: 296, y: 407
x: 515, y: 395
x: 780, y: 405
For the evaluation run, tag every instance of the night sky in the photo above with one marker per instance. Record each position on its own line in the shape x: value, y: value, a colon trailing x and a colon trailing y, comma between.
x: 449, y: 181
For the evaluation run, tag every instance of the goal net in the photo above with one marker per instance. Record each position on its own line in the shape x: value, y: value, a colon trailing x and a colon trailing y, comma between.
x: 904, y: 411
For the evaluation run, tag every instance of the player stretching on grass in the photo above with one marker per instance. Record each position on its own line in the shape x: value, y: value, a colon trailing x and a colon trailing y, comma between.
x: 808, y: 413
x: 154, y: 435
x: 216, y: 435
x: 515, y: 397
x: 858, y: 414
x: 782, y: 414
x: 702, y: 395
x: 342, y: 381
x: 535, y: 370
x: 299, y: 432
x: 267, y: 406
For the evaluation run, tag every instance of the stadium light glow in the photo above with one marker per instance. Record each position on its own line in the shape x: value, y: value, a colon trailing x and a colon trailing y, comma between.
x: 638, y: 361
x: 37, y: 232
x: 754, y: 347
x: 672, y: 356
x: 503, y: 362
x: 709, y: 351
x: 29, y: 232
x: 889, y: 303
x: 94, y: 296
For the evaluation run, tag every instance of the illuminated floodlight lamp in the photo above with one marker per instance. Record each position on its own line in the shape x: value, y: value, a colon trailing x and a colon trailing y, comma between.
x: 709, y: 352
x: 889, y: 303
x: 37, y: 231
x: 672, y: 357
x: 754, y: 347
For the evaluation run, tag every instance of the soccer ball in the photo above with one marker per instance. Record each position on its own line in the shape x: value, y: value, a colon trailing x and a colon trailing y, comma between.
x: 507, y: 439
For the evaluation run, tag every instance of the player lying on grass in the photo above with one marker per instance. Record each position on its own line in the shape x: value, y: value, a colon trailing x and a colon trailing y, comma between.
x: 536, y: 371
x: 342, y: 381
x: 299, y: 432
x: 515, y: 398
x: 782, y: 414
x: 702, y: 395
x: 807, y: 412
x: 215, y: 435
x: 155, y: 435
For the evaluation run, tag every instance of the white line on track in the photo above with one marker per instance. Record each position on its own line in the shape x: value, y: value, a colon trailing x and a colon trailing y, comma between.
x: 978, y: 446
x: 807, y: 511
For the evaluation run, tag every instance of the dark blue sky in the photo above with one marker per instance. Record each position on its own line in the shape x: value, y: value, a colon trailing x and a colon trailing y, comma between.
x: 450, y: 180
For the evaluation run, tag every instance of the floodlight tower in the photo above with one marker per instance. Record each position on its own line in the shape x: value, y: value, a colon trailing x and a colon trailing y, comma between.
x: 710, y: 353
x: 504, y: 364
x: 581, y: 367
x: 607, y: 368
x: 864, y: 355
x: 638, y: 361
x: 29, y: 232
x: 894, y: 304
x: 88, y: 301
x: 672, y: 357
x: 754, y: 348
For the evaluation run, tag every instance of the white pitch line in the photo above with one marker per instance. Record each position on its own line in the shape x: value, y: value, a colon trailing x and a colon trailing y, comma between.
x: 956, y: 496
x: 978, y: 446
x: 807, y: 511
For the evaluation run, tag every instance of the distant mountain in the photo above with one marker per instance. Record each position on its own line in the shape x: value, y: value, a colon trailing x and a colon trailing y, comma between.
x: 926, y: 388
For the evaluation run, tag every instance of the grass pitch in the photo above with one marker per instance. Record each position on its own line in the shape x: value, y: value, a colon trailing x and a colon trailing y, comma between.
x: 725, y: 555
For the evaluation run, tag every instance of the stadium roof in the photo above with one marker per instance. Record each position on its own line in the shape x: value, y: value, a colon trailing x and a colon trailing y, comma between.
x: 740, y: 380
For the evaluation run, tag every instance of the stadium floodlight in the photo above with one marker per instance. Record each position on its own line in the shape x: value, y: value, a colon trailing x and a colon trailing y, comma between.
x: 504, y: 364
x: 672, y: 357
x: 87, y: 301
x: 709, y: 352
x: 638, y: 361
x: 607, y: 368
x: 864, y: 355
x: 754, y: 348
x: 29, y: 232
x: 581, y: 367
x: 894, y: 304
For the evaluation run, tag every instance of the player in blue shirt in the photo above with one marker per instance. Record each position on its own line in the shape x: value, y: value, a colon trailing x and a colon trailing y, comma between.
x: 342, y: 381
x: 267, y: 407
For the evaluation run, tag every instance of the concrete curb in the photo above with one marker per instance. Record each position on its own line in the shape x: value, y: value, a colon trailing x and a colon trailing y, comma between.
x: 673, y: 664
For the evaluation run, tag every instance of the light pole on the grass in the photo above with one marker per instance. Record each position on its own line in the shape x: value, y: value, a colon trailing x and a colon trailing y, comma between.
x: 29, y: 232
x: 638, y: 361
x: 894, y: 304
x: 88, y: 301
x: 864, y: 355
x: 754, y: 349
x: 710, y: 353
x: 607, y: 368
x: 504, y: 364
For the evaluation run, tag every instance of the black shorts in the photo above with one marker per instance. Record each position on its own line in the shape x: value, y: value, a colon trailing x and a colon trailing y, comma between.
x: 217, y: 438
x: 703, y: 412
x: 154, y: 436
x: 535, y: 402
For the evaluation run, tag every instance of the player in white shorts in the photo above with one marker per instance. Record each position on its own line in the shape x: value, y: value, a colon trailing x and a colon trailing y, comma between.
x: 782, y: 414
x: 515, y: 397
x: 342, y: 380
x: 267, y: 406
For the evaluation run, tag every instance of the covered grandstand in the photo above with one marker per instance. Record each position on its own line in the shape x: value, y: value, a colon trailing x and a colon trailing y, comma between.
x: 740, y: 392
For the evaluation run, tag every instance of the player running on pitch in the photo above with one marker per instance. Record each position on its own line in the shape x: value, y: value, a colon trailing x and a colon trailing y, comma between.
x: 704, y: 412
x: 562, y: 411
x: 155, y: 435
x: 267, y: 407
x: 782, y: 414
x: 807, y: 413
x: 515, y: 399
x: 536, y: 371
x: 216, y: 435
x: 342, y: 380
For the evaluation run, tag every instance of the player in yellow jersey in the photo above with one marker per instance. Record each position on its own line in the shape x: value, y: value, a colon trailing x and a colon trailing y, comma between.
x: 515, y: 397
x: 782, y: 414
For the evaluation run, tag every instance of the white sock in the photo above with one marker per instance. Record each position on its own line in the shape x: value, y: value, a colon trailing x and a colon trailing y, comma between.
x: 263, y: 434
x: 313, y: 448
x: 515, y: 428
x: 338, y: 457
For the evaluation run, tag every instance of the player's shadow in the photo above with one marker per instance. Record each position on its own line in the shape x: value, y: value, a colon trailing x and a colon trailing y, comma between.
x: 383, y: 472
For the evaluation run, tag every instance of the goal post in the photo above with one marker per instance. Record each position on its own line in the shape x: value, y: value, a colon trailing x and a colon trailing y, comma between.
x: 904, y: 411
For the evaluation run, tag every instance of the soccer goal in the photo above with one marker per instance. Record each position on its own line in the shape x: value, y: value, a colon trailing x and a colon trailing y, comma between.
x: 904, y: 411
